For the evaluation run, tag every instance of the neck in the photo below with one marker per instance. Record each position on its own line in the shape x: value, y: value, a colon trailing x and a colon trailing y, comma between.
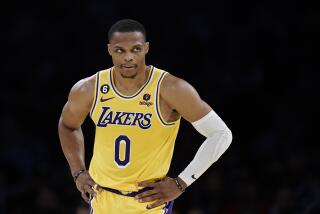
x: 128, y: 86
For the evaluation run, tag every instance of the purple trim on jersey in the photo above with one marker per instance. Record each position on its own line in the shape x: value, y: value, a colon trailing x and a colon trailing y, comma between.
x: 131, y: 194
x: 97, y: 92
x: 168, y: 208
x: 129, y: 97
x: 158, y: 103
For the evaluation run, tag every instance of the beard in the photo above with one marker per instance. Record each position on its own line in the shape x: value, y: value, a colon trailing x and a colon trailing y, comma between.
x: 130, y: 75
x: 125, y: 76
x: 128, y: 72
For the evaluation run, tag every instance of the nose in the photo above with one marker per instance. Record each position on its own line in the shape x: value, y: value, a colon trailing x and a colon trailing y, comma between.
x: 128, y: 57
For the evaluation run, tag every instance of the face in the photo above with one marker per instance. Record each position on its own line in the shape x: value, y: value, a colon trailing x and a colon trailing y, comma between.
x: 128, y: 51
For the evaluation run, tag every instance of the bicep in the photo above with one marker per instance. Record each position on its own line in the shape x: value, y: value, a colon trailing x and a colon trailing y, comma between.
x: 191, y: 107
x: 72, y: 117
x: 78, y: 106
x: 187, y: 102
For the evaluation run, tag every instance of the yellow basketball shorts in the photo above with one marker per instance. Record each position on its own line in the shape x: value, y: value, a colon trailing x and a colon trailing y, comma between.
x: 111, y: 201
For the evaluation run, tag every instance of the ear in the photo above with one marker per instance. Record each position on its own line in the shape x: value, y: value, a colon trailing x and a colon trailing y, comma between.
x: 146, y: 47
x: 109, y: 49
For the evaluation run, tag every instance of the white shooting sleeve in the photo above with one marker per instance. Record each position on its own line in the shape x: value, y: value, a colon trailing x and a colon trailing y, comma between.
x: 219, y: 138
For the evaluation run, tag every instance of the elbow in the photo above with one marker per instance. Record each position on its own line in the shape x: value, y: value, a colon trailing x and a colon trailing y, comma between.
x: 61, y: 123
x: 66, y: 125
x: 62, y: 126
x: 229, y: 133
x: 229, y: 136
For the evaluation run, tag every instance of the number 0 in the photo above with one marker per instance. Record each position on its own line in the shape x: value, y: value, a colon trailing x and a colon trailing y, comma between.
x: 122, y: 163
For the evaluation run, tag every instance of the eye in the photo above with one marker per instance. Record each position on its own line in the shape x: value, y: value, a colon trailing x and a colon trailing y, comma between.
x: 137, y: 49
x: 118, y: 50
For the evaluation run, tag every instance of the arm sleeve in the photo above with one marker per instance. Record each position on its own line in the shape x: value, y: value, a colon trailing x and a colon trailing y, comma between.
x: 218, y: 139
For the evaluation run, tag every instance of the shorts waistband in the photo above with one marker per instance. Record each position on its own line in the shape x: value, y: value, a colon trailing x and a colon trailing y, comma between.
x: 130, y: 194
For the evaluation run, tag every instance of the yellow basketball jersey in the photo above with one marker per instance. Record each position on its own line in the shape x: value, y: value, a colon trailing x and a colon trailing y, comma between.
x: 133, y: 142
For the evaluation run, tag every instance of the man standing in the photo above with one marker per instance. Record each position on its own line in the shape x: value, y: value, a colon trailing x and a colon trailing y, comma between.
x: 136, y: 109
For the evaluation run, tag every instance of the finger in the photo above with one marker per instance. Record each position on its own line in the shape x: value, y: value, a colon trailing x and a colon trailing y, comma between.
x: 156, y: 204
x: 146, y: 193
x: 147, y: 184
x: 90, y: 191
x: 149, y: 198
x: 85, y: 197
x: 81, y: 188
x: 97, y: 187
x: 166, y: 178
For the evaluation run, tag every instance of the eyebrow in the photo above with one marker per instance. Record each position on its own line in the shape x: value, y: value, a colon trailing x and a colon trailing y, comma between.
x: 136, y: 45
x: 116, y: 46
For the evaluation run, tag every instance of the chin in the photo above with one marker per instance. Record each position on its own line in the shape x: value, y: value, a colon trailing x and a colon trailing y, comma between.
x: 129, y: 74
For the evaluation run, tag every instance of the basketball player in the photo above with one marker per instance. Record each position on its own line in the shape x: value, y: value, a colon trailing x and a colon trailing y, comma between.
x: 136, y: 109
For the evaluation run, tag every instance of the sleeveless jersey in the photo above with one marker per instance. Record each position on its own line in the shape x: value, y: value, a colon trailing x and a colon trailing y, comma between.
x: 132, y: 142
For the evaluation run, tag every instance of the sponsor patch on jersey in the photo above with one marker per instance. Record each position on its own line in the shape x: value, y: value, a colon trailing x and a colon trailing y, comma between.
x: 146, y: 97
x: 145, y: 101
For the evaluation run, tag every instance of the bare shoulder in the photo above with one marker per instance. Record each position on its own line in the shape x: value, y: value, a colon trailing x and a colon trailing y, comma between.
x: 173, y: 86
x: 83, y: 87
x: 83, y: 91
x: 182, y: 97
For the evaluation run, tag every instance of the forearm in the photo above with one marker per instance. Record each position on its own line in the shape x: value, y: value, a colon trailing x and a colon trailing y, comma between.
x: 209, y: 152
x: 72, y: 143
x: 219, y: 138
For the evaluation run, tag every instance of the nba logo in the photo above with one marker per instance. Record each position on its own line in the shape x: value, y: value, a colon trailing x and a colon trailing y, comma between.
x: 146, y: 97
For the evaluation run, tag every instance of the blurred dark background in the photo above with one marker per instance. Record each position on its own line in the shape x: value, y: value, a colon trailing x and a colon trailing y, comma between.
x: 254, y: 62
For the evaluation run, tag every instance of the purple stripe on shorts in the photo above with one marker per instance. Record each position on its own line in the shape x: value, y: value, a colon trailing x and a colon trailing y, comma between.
x: 168, y: 208
x: 90, y: 206
x: 91, y: 209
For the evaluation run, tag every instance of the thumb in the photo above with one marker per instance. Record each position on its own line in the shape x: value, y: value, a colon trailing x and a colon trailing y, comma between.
x: 146, y: 184
x: 97, y: 187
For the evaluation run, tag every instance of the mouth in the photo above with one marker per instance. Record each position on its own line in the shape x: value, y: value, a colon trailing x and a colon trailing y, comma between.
x: 128, y: 66
x: 128, y: 70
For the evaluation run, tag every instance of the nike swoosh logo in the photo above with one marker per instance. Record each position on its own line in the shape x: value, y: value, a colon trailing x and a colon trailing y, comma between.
x: 105, y: 99
x: 192, y: 176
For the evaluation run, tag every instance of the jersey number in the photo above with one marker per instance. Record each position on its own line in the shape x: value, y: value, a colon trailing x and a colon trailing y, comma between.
x: 122, y: 139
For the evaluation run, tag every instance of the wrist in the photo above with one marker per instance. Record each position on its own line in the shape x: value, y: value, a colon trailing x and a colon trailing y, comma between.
x: 180, y: 184
x: 77, y: 174
x: 75, y: 168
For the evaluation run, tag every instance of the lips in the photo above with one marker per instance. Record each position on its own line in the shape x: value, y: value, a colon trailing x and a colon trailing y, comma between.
x: 126, y: 66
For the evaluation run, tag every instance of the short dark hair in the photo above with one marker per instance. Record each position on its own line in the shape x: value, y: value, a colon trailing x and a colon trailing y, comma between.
x: 127, y: 25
